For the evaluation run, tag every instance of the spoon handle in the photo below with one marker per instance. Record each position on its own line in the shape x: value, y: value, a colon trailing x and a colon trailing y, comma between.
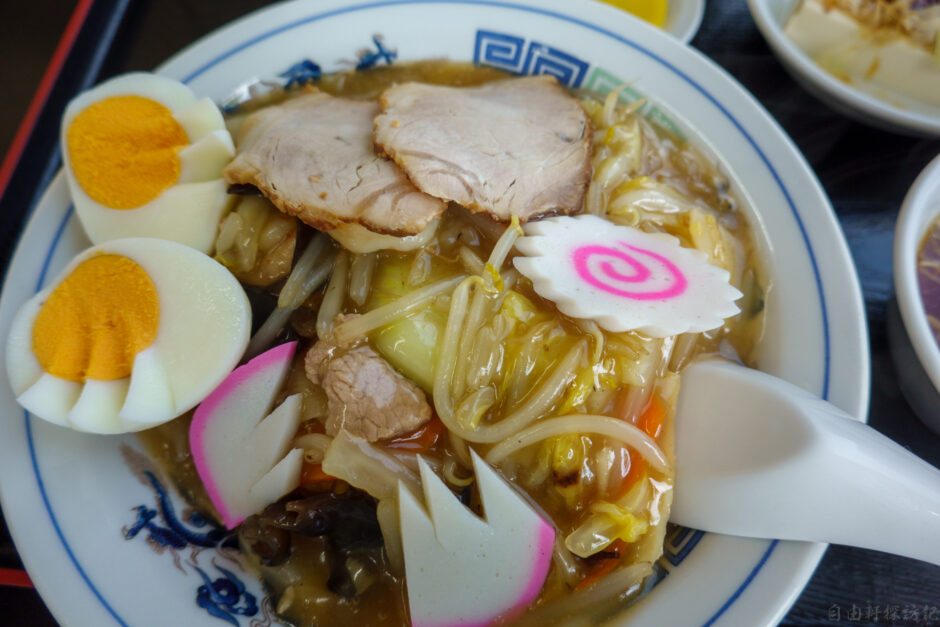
x: 773, y: 461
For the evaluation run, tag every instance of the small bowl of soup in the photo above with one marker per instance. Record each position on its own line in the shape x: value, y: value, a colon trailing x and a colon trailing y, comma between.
x: 917, y: 288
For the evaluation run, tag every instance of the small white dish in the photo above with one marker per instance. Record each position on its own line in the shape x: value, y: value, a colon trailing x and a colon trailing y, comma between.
x: 684, y: 18
x: 907, y: 116
x: 919, y: 212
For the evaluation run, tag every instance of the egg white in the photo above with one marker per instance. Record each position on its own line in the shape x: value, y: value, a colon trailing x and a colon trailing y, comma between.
x: 203, y: 330
x: 189, y: 211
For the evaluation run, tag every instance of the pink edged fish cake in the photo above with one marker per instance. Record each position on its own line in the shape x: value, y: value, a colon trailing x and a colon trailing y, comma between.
x: 624, y: 278
x: 498, y: 565
x: 241, y: 447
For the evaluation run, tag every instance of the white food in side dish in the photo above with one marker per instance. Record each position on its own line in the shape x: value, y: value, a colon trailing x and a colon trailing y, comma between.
x: 884, y: 60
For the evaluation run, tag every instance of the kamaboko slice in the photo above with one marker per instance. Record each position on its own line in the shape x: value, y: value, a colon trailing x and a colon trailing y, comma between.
x: 241, y: 447
x: 462, y: 570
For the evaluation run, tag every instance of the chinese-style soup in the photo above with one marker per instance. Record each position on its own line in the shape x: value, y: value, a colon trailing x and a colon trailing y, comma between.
x: 418, y: 336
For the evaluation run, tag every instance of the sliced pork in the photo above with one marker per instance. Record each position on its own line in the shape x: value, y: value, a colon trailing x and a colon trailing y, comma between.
x: 516, y: 147
x: 313, y: 157
x: 365, y: 395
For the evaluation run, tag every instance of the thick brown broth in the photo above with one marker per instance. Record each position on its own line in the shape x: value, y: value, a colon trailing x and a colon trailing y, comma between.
x: 543, y: 473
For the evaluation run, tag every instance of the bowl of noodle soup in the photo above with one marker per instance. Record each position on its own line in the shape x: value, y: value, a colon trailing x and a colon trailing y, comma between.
x: 912, y: 321
x: 109, y: 528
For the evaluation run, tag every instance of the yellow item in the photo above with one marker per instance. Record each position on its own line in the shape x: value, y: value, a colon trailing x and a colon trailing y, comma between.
x: 653, y: 11
x: 518, y: 307
x: 124, y: 150
x: 578, y: 391
x: 97, y: 320
x: 623, y: 523
x: 495, y: 276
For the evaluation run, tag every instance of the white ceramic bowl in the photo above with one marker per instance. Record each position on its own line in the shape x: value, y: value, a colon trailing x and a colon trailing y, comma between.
x: 105, y: 544
x: 921, y: 386
x: 914, y: 118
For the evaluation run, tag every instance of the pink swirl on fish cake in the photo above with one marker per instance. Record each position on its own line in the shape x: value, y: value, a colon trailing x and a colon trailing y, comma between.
x: 581, y: 257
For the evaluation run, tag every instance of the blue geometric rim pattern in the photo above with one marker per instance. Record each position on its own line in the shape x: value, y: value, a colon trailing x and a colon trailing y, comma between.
x: 512, y: 54
x: 524, y: 9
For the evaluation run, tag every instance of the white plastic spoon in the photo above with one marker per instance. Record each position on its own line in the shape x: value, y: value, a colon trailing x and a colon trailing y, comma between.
x: 759, y: 457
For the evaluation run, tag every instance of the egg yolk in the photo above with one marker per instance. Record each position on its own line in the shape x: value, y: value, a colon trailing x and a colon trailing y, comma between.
x: 124, y: 150
x: 96, y: 320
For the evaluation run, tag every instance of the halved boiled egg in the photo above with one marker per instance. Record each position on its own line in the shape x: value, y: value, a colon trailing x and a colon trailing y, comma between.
x: 133, y: 333
x: 144, y: 158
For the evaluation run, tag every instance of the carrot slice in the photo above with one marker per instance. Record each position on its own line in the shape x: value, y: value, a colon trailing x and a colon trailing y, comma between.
x: 602, y: 563
x: 651, y: 422
x: 653, y: 417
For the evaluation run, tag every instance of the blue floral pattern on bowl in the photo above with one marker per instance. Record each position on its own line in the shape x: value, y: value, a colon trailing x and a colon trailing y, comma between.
x: 174, y: 533
x: 192, y: 539
x: 225, y: 597
x: 305, y: 72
